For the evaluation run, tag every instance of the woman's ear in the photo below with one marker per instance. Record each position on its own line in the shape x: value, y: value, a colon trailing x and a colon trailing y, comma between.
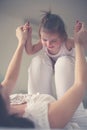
x: 4, y: 98
x: 3, y: 109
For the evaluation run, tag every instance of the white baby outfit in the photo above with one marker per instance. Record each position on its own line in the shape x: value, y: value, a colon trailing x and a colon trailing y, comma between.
x: 41, y: 71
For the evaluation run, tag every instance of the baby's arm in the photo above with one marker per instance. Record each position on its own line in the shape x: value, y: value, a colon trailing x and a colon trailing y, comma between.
x: 71, y: 41
x: 29, y: 47
x: 32, y: 49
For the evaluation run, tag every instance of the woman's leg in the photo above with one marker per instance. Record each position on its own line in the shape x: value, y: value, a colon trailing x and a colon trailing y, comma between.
x: 40, y: 75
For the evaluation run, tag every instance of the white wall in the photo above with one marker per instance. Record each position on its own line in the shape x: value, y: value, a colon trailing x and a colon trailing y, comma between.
x: 14, y: 12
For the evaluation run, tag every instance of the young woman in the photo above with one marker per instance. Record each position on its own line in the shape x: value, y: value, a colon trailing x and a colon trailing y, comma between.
x: 43, y: 109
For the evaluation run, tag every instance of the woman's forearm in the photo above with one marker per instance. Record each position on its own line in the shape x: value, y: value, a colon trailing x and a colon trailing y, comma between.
x: 13, y: 69
x: 80, y: 64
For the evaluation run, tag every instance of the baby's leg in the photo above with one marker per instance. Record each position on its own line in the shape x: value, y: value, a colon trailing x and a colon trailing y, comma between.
x: 64, y: 78
x: 40, y: 74
x: 64, y: 74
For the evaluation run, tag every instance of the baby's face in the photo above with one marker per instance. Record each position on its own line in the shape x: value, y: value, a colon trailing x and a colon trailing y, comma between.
x: 52, y: 41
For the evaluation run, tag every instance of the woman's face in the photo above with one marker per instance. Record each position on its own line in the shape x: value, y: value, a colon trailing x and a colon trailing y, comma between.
x: 52, y: 41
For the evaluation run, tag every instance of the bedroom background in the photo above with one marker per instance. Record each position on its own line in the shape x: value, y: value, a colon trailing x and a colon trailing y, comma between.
x: 15, y: 12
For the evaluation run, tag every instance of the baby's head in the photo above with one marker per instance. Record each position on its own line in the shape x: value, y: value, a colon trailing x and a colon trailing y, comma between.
x: 52, y: 32
x: 53, y: 23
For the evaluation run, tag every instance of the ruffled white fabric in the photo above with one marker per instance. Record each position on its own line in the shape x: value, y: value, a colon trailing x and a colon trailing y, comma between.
x: 37, y: 110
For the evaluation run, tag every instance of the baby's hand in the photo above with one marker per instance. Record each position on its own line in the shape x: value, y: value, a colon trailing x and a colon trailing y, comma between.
x: 78, y: 26
x: 80, y: 33
x: 27, y: 27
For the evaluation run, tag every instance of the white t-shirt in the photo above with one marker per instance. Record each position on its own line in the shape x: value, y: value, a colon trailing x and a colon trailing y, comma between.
x: 63, y: 52
x: 37, y: 110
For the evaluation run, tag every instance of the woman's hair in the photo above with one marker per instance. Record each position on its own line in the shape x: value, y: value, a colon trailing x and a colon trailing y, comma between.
x: 7, y: 120
x: 53, y: 23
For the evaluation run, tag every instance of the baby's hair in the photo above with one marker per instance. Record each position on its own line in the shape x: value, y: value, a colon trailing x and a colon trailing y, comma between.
x: 53, y: 23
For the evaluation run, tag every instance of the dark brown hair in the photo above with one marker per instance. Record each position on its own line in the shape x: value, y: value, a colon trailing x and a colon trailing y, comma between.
x: 53, y: 23
x: 13, y: 121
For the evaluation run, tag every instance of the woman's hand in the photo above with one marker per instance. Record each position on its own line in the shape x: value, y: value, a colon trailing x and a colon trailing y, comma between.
x: 22, y: 34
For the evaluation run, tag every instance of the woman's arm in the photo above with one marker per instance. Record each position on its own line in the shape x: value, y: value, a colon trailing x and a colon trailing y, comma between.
x: 61, y: 111
x: 13, y: 69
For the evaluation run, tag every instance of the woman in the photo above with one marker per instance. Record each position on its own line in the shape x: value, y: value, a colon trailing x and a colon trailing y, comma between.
x: 43, y: 109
